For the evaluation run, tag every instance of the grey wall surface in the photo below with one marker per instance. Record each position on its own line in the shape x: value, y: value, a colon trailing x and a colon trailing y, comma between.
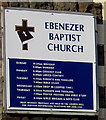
x: 88, y: 7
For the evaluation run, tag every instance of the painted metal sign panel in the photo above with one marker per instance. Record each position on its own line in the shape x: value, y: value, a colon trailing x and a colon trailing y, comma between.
x: 50, y: 61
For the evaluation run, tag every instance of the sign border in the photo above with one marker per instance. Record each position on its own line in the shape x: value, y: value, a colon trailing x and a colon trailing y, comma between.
x: 41, y: 111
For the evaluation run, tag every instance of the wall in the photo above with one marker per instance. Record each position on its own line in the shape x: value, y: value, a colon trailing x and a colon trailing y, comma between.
x: 99, y: 9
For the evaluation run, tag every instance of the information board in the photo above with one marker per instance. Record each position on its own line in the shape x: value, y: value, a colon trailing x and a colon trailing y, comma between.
x: 50, y: 61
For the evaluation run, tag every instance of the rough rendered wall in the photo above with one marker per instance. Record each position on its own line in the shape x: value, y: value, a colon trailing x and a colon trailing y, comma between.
x: 90, y: 7
x: 1, y: 88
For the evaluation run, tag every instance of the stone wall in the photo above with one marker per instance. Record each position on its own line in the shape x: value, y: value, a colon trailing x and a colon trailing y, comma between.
x: 88, y: 7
